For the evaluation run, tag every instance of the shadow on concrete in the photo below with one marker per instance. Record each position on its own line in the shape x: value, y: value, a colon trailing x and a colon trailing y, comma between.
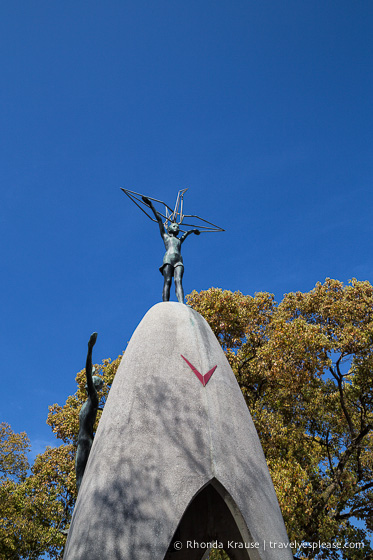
x: 171, y: 458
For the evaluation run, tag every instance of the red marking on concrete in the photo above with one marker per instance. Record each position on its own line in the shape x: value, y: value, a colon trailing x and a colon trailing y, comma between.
x: 203, y: 378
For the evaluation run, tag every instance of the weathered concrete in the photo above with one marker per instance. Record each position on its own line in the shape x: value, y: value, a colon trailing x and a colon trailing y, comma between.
x: 172, y: 457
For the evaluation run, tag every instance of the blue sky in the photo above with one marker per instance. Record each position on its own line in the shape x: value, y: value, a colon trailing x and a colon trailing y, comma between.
x: 263, y: 109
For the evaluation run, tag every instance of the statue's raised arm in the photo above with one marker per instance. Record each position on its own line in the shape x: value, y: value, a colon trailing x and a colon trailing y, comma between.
x: 156, y: 215
x: 185, y: 235
x: 91, y: 390
x: 87, y: 415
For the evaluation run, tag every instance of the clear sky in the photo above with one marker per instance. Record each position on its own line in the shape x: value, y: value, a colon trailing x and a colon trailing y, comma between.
x: 262, y: 108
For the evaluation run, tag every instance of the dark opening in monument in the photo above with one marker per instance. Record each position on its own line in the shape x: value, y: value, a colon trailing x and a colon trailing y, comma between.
x: 211, y: 517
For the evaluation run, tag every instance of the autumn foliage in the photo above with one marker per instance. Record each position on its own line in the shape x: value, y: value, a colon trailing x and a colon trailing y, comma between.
x: 305, y: 367
x: 37, y: 504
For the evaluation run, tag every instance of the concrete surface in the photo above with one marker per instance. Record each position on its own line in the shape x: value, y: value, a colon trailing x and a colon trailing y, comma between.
x: 174, y: 461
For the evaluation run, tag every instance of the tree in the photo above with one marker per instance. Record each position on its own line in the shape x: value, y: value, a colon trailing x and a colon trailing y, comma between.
x: 18, y: 497
x: 13, y: 449
x: 305, y: 367
x: 36, y: 506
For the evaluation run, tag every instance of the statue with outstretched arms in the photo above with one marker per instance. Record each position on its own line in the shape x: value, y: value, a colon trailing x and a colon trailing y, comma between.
x: 169, y: 223
x: 172, y: 266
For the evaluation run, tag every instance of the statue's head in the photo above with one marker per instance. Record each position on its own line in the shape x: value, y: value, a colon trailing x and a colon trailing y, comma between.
x: 173, y: 228
x: 98, y: 382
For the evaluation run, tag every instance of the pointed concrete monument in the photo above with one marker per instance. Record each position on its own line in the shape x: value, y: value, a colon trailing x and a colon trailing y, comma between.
x: 176, y: 464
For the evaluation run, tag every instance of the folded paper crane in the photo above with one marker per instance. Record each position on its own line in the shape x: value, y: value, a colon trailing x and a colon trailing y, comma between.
x: 173, y: 216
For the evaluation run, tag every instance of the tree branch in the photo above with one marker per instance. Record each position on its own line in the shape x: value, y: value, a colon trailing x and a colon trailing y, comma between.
x: 342, y: 463
x: 351, y: 513
x: 338, y: 378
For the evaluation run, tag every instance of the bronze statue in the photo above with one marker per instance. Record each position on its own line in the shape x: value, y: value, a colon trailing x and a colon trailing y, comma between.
x: 172, y: 261
x: 172, y: 266
x: 87, y: 415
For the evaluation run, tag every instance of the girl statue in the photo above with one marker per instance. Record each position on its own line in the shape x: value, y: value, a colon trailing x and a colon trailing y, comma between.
x: 172, y: 261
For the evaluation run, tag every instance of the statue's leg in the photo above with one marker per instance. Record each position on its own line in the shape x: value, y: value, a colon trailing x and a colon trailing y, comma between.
x: 178, y: 274
x: 167, y: 275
